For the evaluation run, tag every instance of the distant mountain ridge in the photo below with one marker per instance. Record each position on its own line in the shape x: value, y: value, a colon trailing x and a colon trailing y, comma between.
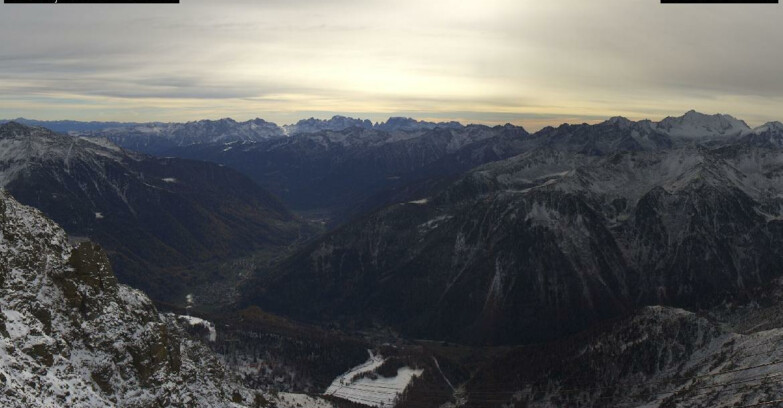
x: 157, y: 137
x: 690, y: 124
x: 68, y: 126
x: 341, y: 167
x: 336, y: 123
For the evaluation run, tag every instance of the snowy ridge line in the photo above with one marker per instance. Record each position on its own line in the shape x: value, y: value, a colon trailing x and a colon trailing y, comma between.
x: 690, y: 121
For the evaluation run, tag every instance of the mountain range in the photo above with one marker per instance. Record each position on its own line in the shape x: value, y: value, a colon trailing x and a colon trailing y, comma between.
x: 338, y: 173
x: 342, y: 167
x: 589, y: 224
x: 625, y: 263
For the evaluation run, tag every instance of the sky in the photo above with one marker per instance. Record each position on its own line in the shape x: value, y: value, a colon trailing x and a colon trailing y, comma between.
x: 527, y: 62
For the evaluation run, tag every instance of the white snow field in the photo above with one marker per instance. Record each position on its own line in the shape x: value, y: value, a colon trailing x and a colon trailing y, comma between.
x: 382, y: 392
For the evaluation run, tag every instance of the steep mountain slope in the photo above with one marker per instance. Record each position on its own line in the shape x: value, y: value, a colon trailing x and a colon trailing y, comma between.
x: 768, y: 135
x: 71, y: 336
x: 154, y: 216
x: 548, y: 243
x: 657, y: 357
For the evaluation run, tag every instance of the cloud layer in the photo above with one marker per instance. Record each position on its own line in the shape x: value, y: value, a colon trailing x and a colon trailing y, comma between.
x: 523, y: 61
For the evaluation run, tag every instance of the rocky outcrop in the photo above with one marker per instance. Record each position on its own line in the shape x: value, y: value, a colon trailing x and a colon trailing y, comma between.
x: 72, y: 336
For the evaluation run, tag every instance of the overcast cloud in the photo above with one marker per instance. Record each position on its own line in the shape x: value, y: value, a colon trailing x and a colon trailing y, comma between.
x: 490, y: 61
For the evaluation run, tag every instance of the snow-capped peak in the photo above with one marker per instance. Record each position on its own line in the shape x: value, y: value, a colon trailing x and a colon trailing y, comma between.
x: 399, y: 123
x: 769, y: 126
x: 619, y: 121
x: 336, y: 123
x: 698, y: 125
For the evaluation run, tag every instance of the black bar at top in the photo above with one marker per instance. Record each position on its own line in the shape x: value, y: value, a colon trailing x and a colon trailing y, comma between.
x: 89, y: 1
x: 719, y: 1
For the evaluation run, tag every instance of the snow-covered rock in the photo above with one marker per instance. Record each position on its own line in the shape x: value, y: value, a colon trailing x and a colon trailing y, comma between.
x: 694, y: 125
x: 193, y: 321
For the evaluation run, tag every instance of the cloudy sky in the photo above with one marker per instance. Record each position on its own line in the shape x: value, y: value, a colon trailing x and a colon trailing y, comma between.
x: 529, y: 62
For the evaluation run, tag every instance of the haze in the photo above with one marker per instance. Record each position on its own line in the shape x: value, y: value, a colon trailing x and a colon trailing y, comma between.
x: 533, y: 63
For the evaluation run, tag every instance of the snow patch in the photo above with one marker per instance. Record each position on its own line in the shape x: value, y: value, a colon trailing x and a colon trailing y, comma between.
x: 288, y: 399
x: 15, y: 324
x: 382, y: 392
x: 195, y: 321
x: 542, y: 214
x: 433, y: 223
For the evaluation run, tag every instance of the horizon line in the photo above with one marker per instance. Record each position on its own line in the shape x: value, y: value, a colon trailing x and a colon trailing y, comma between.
x: 589, y: 119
